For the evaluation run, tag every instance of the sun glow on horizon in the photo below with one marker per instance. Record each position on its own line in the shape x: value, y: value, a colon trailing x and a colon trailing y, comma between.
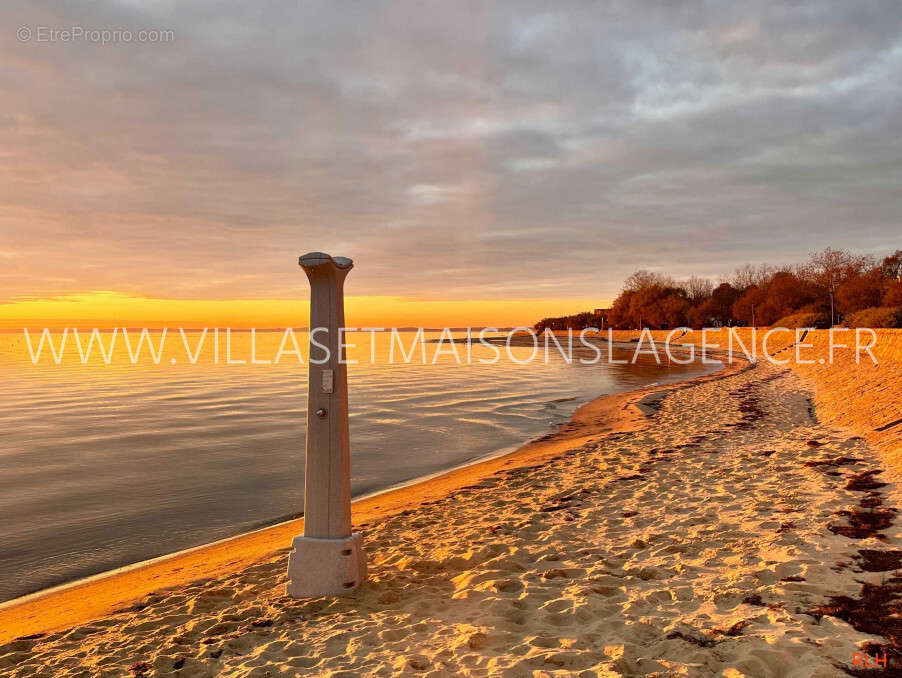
x: 115, y: 309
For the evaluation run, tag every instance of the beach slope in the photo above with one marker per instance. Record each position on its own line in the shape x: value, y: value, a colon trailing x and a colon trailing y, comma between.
x: 731, y: 536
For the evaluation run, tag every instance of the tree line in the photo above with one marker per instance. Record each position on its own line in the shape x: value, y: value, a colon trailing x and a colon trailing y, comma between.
x: 832, y: 287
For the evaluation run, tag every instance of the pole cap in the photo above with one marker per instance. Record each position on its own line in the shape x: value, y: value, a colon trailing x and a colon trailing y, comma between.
x: 314, y: 259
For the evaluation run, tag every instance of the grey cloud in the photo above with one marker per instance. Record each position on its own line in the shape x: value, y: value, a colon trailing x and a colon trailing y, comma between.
x: 443, y: 145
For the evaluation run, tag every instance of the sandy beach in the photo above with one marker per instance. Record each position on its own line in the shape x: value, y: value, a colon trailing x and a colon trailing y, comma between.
x: 451, y: 340
x: 719, y: 531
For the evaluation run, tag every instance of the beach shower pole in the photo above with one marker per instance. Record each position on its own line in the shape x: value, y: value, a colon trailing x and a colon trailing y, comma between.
x: 327, y: 560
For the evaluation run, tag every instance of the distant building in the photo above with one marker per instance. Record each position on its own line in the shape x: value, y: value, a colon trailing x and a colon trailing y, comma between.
x: 601, y: 316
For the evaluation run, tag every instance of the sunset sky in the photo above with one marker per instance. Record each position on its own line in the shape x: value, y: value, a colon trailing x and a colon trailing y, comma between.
x: 483, y: 163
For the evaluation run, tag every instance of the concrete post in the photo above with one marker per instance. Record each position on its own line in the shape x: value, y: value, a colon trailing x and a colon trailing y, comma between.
x: 327, y: 560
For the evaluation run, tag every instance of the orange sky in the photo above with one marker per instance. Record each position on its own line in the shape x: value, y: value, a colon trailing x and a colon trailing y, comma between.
x: 113, y: 309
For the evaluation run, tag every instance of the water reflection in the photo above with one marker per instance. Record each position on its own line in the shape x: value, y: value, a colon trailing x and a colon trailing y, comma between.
x: 104, y: 465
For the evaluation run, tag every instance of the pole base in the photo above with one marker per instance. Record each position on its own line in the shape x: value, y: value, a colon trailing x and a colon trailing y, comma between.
x: 325, y: 567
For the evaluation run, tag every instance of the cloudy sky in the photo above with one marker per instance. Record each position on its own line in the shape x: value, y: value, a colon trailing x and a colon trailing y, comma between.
x: 491, y: 150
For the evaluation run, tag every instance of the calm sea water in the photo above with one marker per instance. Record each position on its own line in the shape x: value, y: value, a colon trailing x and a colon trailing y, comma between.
x: 106, y: 465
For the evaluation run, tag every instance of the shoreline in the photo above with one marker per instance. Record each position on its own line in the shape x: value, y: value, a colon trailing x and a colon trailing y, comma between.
x: 90, y: 598
x: 728, y: 528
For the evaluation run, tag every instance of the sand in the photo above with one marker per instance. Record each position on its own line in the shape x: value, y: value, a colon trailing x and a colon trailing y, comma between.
x: 72, y: 604
x: 726, y: 533
x: 851, y: 390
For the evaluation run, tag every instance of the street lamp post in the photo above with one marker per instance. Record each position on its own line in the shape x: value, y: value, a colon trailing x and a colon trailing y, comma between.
x: 327, y: 559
